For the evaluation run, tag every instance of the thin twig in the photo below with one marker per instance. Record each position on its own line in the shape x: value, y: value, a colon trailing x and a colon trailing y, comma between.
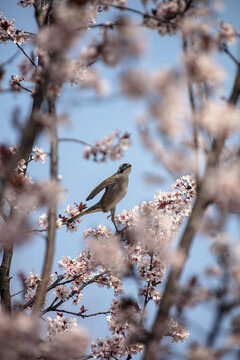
x: 224, y: 47
x: 76, y: 141
x: 55, y: 307
x: 27, y: 56
x: 17, y: 293
x: 83, y: 315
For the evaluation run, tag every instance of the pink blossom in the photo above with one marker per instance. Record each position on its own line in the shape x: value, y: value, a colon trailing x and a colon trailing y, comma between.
x: 22, y: 165
x: 177, y: 331
x: 107, y: 252
x: 25, y: 3
x: 228, y: 32
x: 9, y: 32
x: 15, y: 82
x: 134, y: 83
x: 62, y: 292
x: 59, y: 223
x: 39, y: 155
x: 43, y: 221
x: 31, y: 282
x: 69, y: 343
x: 60, y: 325
x: 19, y: 336
x: 113, y: 146
x: 202, y: 67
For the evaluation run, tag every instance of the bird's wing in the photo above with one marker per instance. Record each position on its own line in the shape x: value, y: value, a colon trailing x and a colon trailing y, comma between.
x: 106, y: 183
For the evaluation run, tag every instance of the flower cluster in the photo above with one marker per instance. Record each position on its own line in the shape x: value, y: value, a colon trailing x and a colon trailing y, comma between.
x: 107, y: 253
x: 65, y: 339
x: 39, y: 155
x: 9, y: 32
x: 228, y: 33
x: 112, y: 146
x: 124, y: 323
x: 150, y: 227
x: 71, y: 211
x: 125, y: 42
x: 177, y: 331
x: 25, y: 3
x: 60, y: 325
x: 43, y: 221
x: 19, y: 336
x: 87, y: 78
x: 31, y: 282
x: 62, y: 292
x: 15, y: 82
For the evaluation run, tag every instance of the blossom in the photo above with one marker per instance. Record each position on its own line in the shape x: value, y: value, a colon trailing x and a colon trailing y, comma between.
x: 68, y: 344
x: 39, y: 155
x: 25, y: 3
x: 177, y: 331
x: 59, y: 223
x: 107, y: 252
x: 113, y: 146
x: 202, y: 67
x: 9, y: 32
x: 43, y: 221
x: 19, y: 335
x: 113, y: 347
x: 31, y: 282
x: 62, y: 292
x: 102, y: 231
x: 134, y: 83
x: 15, y: 82
x: 22, y: 165
x: 228, y: 32
x: 219, y: 118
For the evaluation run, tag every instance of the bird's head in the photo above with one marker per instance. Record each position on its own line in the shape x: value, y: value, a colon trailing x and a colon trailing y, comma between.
x: 124, y: 169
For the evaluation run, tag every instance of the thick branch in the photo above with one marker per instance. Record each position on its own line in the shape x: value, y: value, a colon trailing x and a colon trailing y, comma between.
x: 5, y: 279
x: 41, y: 292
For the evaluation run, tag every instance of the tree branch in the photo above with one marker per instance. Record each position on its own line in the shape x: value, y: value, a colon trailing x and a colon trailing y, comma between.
x: 83, y: 315
x: 5, y: 279
x: 50, y: 246
x: 27, y: 56
x: 55, y: 307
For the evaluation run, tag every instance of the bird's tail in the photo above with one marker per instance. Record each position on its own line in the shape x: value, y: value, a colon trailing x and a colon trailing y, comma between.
x: 92, y: 209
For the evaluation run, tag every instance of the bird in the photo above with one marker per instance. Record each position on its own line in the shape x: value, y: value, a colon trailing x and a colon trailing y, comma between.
x: 116, y: 187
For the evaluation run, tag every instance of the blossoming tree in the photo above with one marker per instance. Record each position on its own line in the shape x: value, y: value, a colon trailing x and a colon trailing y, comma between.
x: 190, y: 125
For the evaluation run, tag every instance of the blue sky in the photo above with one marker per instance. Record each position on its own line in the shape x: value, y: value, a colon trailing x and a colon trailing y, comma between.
x: 91, y: 121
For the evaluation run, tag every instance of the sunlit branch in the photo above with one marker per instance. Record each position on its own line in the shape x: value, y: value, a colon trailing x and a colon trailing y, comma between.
x: 83, y: 315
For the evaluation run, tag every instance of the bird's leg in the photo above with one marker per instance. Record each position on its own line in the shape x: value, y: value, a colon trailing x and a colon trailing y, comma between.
x: 113, y: 217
